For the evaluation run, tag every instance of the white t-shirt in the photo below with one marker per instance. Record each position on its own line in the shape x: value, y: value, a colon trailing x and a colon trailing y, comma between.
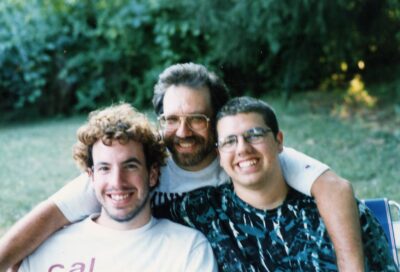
x: 160, y: 245
x: 77, y: 200
x: 174, y: 179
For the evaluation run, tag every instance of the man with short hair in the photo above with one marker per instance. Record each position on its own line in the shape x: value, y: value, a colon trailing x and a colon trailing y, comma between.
x: 257, y: 222
x: 186, y: 99
x: 121, y: 153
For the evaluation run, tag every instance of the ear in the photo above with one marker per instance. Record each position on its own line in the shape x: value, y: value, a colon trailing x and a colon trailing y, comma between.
x: 279, y: 140
x: 218, y: 154
x: 89, y: 172
x: 153, y: 175
x: 161, y: 134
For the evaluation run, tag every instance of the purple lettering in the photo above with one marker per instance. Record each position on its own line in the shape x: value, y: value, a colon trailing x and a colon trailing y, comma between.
x: 93, y: 260
x: 80, y: 267
x: 55, y: 266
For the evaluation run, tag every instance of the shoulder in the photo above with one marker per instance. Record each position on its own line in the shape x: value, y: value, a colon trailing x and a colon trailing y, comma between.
x: 168, y: 227
x: 299, y: 200
x: 178, y: 232
x: 300, y: 207
x: 369, y: 224
x: 208, y: 197
x: 69, y: 232
x: 51, y: 246
x: 376, y: 246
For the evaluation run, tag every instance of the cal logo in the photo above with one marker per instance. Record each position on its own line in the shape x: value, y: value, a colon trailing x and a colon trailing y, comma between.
x: 75, y: 267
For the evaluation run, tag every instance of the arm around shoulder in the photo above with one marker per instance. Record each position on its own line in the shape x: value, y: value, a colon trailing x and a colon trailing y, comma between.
x: 29, y: 232
x: 335, y: 201
x: 338, y: 208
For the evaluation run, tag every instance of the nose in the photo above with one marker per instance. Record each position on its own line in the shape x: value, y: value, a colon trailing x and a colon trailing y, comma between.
x: 183, y: 129
x: 242, y: 146
x: 116, y: 178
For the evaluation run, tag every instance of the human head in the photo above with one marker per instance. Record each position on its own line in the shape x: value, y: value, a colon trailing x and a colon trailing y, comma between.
x: 185, y: 89
x: 119, y: 122
x: 253, y: 162
x: 121, y: 152
x: 194, y: 76
x: 245, y: 104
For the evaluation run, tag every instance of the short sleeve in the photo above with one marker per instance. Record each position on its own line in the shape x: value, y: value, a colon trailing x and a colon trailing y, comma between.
x: 77, y: 199
x: 300, y: 171
x: 24, y: 266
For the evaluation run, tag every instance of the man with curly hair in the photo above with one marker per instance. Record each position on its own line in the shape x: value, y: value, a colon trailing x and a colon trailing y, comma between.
x: 121, y: 153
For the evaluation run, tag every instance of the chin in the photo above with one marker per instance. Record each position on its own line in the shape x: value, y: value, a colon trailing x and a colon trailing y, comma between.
x: 248, y: 181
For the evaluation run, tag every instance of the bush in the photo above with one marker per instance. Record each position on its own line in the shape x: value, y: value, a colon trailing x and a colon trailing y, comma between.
x: 63, y: 56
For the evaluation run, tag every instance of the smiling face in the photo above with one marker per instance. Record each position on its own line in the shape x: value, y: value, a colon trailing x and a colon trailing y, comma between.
x: 191, y: 150
x: 251, y: 166
x: 122, y: 184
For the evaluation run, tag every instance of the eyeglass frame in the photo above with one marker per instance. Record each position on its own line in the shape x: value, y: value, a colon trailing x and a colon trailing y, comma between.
x: 246, y: 137
x: 186, y: 116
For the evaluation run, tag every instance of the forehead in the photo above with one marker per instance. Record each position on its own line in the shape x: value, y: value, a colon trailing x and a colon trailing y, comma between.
x: 239, y: 123
x: 184, y: 100
x: 117, y: 152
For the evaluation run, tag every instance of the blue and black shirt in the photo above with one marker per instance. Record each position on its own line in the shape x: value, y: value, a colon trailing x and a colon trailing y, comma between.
x: 291, y: 237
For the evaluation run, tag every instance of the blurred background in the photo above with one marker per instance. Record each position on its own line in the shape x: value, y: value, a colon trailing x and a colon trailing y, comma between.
x: 331, y: 69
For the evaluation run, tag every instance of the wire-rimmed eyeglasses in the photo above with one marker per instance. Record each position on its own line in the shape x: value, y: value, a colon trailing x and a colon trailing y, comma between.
x: 195, y: 122
x: 252, y: 136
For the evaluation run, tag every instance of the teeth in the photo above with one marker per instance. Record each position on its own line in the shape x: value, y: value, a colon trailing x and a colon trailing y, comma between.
x: 185, y: 145
x: 119, y: 197
x: 247, y: 163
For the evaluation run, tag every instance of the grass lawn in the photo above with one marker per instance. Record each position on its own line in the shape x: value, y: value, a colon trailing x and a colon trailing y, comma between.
x: 364, y: 150
x: 36, y: 157
x: 36, y: 160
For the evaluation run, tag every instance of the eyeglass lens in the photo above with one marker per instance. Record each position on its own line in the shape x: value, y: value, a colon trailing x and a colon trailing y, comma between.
x: 195, y: 122
x: 251, y: 136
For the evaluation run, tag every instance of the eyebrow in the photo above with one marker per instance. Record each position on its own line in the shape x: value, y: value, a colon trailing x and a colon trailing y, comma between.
x: 186, y: 114
x: 132, y: 159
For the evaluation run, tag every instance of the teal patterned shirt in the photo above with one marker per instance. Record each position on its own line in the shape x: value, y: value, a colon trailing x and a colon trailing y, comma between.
x: 291, y: 237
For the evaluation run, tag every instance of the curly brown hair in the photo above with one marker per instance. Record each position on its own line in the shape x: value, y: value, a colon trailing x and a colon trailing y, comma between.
x: 119, y: 122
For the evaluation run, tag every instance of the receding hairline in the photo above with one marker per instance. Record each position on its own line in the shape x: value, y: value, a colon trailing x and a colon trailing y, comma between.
x: 199, y: 89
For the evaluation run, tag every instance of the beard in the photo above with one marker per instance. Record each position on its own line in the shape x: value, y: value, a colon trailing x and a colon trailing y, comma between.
x: 140, y: 205
x: 203, y: 148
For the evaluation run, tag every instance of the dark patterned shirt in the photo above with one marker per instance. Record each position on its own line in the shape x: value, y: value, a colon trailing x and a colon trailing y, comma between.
x: 291, y: 237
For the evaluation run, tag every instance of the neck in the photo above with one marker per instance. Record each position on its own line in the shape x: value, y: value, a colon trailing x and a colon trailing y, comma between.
x: 269, y: 195
x: 138, y: 221
x: 201, y: 165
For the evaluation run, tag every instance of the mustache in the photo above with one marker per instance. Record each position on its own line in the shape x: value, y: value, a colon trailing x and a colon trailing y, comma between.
x: 193, y: 138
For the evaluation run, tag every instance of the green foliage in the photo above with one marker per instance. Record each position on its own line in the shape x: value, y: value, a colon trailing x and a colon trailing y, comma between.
x: 24, y: 65
x: 72, y: 53
x: 295, y: 44
x: 61, y: 56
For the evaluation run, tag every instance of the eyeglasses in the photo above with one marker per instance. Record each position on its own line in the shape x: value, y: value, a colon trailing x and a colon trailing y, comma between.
x: 195, y: 122
x: 252, y: 136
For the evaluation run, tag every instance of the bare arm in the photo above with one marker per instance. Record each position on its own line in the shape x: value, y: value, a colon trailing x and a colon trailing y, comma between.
x: 338, y: 208
x: 29, y: 232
